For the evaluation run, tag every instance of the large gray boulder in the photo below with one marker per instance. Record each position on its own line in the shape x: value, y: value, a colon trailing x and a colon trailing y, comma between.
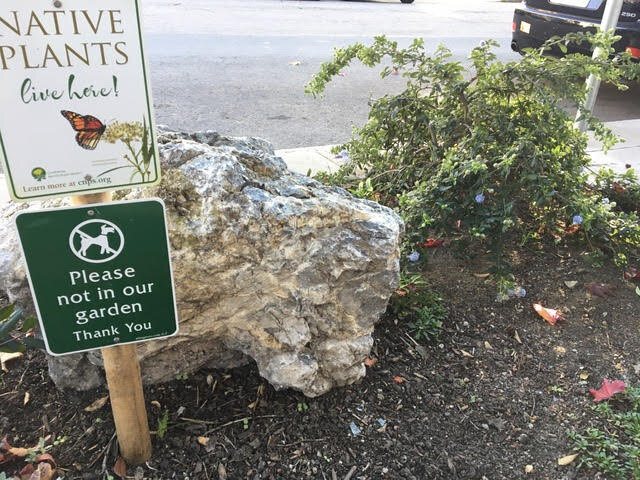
x: 268, y: 264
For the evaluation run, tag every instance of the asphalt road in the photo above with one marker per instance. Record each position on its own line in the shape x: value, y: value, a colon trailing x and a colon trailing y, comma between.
x: 240, y: 67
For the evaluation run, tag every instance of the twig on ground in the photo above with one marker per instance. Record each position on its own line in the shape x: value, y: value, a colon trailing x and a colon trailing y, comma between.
x: 351, y: 472
x: 240, y: 420
x: 303, y: 441
x: 103, y: 450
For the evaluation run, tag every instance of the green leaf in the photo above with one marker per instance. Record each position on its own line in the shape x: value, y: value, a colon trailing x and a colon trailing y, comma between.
x: 12, y: 346
x: 9, y: 324
x: 6, y: 311
x: 29, y: 323
x: 162, y: 425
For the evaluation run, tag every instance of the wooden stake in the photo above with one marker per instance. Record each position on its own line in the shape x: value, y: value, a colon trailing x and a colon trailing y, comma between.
x: 125, y: 384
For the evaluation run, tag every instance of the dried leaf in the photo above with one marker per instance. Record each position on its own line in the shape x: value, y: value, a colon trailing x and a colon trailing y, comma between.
x: 97, y: 405
x: 517, y: 337
x: 571, y: 284
x: 584, y: 375
x: 399, y: 379
x: 45, y: 457
x: 43, y: 472
x: 7, y: 357
x: 566, y: 460
x: 481, y: 275
x: 528, y: 469
x: 433, y: 243
x: 120, y: 468
x: 466, y: 354
x: 601, y: 290
x: 27, y: 471
x: 549, y: 314
x: 27, y: 397
x: 487, y: 345
x: 370, y: 361
x: 222, y: 472
x: 156, y: 404
x: 632, y: 274
x: 560, y: 350
x: 19, y: 452
x: 203, y: 440
x: 608, y: 390
x: 618, y: 188
x: 571, y: 229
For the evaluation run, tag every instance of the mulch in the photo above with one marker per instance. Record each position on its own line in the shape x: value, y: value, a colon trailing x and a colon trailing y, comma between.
x: 496, y: 392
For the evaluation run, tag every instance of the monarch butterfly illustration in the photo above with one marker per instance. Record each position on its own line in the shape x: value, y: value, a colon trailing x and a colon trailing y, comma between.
x: 89, y: 129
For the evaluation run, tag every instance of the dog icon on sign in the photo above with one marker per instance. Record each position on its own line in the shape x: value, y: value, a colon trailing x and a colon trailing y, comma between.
x: 96, y: 241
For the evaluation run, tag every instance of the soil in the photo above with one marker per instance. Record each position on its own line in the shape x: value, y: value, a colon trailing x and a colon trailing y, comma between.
x: 497, y: 392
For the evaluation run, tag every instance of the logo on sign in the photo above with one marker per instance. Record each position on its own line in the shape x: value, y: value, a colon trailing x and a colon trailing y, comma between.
x: 96, y: 241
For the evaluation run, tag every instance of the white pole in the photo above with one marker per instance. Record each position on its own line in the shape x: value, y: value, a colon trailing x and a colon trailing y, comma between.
x: 610, y: 17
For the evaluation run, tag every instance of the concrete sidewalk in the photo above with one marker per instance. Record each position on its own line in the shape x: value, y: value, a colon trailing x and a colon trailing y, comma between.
x: 623, y: 154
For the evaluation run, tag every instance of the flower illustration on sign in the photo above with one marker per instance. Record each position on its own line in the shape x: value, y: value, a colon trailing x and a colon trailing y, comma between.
x: 138, y: 139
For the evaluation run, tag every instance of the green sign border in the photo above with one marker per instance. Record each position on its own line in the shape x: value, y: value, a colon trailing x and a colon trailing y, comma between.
x: 83, y: 207
x: 156, y: 180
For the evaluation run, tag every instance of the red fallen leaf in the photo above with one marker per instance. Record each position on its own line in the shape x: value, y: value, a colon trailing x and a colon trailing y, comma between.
x: 618, y: 188
x: 632, y: 274
x: 549, y: 314
x: 401, y: 293
x: 432, y: 243
x: 120, y: 468
x: 26, y: 472
x: 608, y: 390
x: 370, y: 361
x: 601, y: 290
x: 399, y: 379
x: 571, y: 229
x: 45, y: 457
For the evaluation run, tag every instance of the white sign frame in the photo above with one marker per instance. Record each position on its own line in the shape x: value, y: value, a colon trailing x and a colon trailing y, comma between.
x: 66, y: 144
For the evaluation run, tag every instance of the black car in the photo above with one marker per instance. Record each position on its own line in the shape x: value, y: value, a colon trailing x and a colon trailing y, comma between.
x: 538, y: 20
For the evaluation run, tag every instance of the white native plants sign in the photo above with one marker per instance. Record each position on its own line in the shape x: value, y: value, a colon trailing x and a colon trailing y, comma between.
x: 76, y: 110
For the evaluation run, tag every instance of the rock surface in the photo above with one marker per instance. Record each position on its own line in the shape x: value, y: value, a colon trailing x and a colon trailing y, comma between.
x: 268, y: 265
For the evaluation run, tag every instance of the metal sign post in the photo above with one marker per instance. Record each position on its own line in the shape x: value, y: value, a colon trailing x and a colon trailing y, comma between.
x: 610, y: 17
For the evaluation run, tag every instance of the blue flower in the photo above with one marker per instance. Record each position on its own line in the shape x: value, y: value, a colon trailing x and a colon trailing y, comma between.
x: 344, y: 154
x: 480, y: 198
x: 606, y: 201
x: 577, y: 220
x: 521, y: 292
x: 414, y: 257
